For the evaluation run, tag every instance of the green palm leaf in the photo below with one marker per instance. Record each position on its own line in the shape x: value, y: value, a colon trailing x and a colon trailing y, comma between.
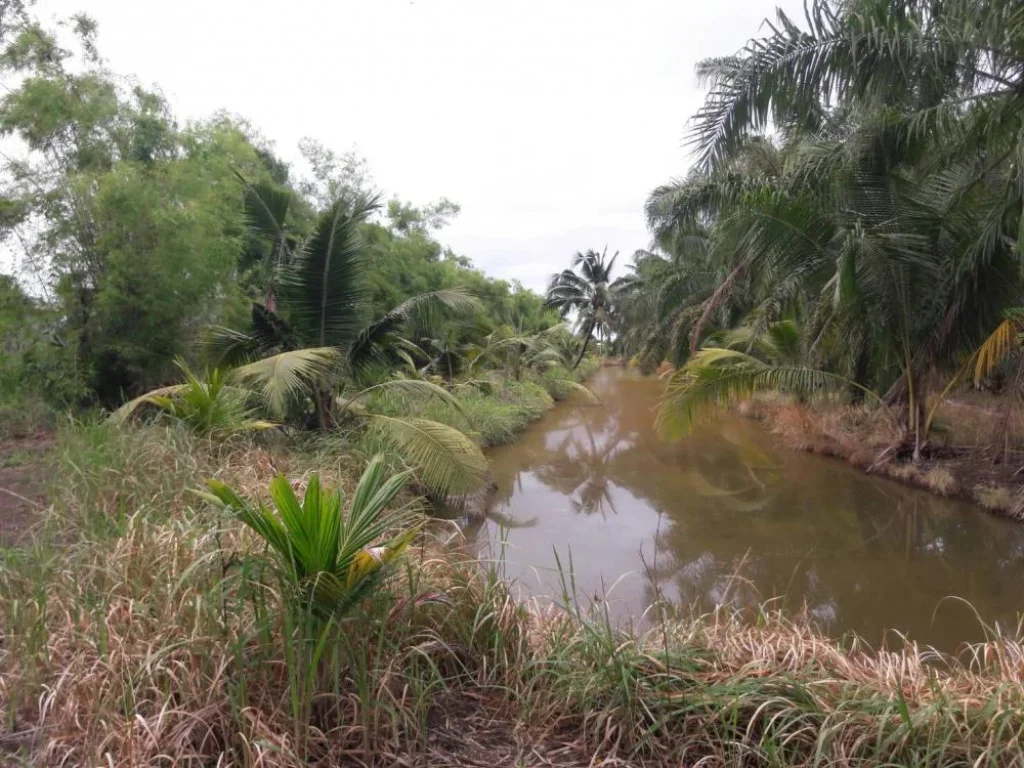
x: 423, y: 313
x: 288, y: 374
x: 325, y: 286
x: 123, y: 413
x: 265, y: 208
x: 411, y: 388
x: 699, y: 390
x: 326, y: 555
x: 444, y: 459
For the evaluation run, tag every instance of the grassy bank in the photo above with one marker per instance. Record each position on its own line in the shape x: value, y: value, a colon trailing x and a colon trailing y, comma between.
x: 960, y: 463
x: 144, y: 626
x: 494, y: 409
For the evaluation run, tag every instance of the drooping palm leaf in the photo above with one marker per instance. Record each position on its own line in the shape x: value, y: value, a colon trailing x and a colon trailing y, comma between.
x: 718, y: 377
x: 423, y: 314
x: 268, y: 333
x: 443, y: 458
x: 419, y: 389
x: 265, y: 207
x: 123, y: 413
x: 1004, y: 339
x: 287, y: 374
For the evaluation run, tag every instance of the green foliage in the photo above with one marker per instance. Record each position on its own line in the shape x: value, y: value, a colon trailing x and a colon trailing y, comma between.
x: 23, y: 347
x: 217, y: 403
x: 128, y: 221
x: 497, y: 413
x: 717, y: 377
x: 322, y: 550
x: 444, y: 458
x: 208, y: 405
x: 883, y: 216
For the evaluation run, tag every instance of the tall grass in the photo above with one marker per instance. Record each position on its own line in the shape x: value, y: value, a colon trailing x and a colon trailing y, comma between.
x: 497, y: 412
x: 496, y: 415
x: 144, y: 629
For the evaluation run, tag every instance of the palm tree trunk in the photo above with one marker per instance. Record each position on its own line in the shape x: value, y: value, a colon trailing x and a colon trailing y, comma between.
x: 583, y: 351
x: 322, y: 403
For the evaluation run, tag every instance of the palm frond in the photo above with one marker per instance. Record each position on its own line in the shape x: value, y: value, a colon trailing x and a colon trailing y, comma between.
x: 414, y: 388
x: 1000, y: 343
x: 325, y: 286
x: 327, y: 555
x: 265, y: 207
x: 123, y: 413
x: 444, y: 459
x: 288, y: 374
x: 568, y: 386
x: 697, y: 392
x: 424, y: 313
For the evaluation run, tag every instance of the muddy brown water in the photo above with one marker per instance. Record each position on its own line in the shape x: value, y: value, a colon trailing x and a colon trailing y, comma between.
x: 726, y: 517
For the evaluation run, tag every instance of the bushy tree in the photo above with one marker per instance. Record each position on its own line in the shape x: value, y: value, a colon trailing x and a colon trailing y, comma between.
x: 128, y: 220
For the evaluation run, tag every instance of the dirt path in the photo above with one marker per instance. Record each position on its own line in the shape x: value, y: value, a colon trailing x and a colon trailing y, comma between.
x: 22, y: 474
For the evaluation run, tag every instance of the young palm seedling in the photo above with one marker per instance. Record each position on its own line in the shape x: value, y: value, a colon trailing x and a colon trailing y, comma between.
x: 327, y: 557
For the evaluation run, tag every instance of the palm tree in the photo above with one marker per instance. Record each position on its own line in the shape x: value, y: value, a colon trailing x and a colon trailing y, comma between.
x: 950, y: 69
x: 586, y: 289
x: 313, y: 334
x: 884, y: 212
x: 320, y: 298
x: 445, y: 460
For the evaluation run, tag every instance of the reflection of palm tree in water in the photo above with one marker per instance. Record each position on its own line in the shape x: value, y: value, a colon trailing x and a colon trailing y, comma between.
x: 581, y: 465
x: 855, y: 551
x: 582, y: 468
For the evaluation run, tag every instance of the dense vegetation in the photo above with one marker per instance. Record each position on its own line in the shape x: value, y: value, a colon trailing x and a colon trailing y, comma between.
x: 853, y: 218
x: 246, y: 379
x: 144, y: 247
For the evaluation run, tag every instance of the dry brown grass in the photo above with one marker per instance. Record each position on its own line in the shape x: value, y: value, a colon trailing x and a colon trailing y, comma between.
x: 994, y: 497
x: 152, y: 635
x: 853, y: 433
x: 978, y: 420
x: 941, y: 480
x: 865, y: 437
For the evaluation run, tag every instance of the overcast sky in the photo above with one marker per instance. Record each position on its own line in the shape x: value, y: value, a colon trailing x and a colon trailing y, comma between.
x: 549, y: 121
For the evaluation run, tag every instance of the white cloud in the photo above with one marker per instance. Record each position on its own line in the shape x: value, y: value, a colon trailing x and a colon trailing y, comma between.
x: 549, y: 121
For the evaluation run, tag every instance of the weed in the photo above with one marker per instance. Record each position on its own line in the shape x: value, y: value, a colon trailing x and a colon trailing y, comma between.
x: 941, y: 481
x: 994, y: 497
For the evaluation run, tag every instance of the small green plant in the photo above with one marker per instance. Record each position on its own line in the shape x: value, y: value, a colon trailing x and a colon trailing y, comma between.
x: 208, y: 404
x: 327, y: 556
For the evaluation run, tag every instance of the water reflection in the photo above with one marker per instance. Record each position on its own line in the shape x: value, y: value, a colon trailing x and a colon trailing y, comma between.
x: 722, y: 516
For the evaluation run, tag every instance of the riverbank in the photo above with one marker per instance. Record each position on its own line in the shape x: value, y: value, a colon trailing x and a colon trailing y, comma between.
x: 139, y: 628
x: 962, y: 464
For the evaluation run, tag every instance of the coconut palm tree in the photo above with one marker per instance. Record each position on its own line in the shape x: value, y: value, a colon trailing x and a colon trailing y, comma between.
x: 313, y: 333
x: 320, y: 299
x: 586, y: 289
x: 950, y: 69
